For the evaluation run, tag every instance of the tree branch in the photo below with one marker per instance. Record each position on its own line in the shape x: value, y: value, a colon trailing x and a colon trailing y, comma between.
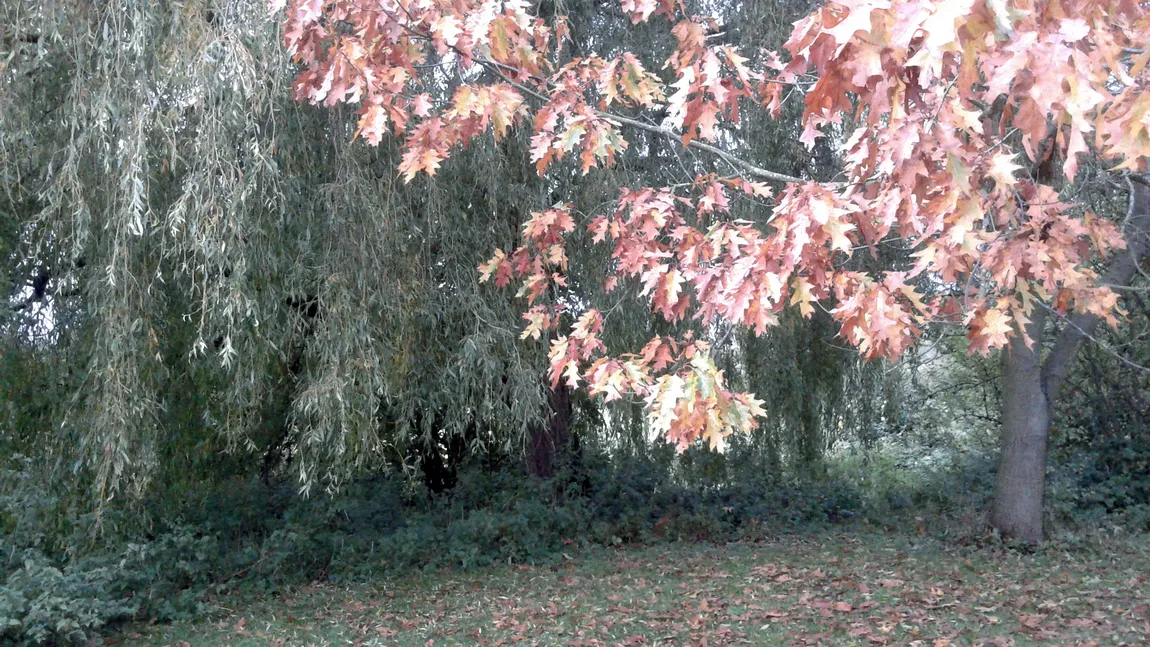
x: 744, y: 165
x: 1080, y: 325
x: 501, y: 68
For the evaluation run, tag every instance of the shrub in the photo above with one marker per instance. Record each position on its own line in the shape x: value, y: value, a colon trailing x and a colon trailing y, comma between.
x: 41, y: 602
x: 1105, y: 485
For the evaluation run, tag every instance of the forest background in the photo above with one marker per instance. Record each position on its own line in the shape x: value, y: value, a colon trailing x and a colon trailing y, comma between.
x: 239, y: 351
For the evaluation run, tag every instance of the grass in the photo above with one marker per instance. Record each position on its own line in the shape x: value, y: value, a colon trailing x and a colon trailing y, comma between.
x: 836, y: 589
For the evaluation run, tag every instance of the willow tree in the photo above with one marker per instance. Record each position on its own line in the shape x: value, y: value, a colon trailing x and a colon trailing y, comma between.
x: 219, y: 270
x: 207, y: 277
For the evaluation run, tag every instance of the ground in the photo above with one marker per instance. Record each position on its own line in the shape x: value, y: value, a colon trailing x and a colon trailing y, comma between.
x: 839, y: 589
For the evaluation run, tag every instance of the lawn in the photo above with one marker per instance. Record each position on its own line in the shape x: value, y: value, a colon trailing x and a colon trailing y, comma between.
x: 835, y: 589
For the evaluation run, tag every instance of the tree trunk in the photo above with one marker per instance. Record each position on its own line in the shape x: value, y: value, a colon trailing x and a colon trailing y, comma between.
x: 1025, y: 427
x: 1031, y: 387
x: 547, y: 439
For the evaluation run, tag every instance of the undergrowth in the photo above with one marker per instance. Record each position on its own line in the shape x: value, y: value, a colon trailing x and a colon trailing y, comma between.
x: 65, y: 584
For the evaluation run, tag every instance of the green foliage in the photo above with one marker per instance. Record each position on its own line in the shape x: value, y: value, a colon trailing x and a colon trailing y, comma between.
x: 198, y: 264
x: 1118, y: 477
x: 1101, y: 439
x: 212, y: 300
x: 900, y: 481
x: 1106, y: 486
x: 247, y: 536
x: 40, y: 602
x: 49, y: 599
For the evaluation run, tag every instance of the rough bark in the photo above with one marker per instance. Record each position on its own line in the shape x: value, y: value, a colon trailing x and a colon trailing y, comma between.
x: 1031, y: 386
x: 547, y: 439
x: 1019, y: 489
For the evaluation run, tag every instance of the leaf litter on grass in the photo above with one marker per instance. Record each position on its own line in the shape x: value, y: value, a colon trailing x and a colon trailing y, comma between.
x: 839, y: 589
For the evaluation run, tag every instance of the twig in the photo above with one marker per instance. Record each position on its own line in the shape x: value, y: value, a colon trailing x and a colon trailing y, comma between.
x: 744, y: 165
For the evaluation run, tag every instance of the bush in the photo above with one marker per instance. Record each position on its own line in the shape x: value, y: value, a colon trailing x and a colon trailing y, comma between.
x: 40, y: 602
x: 47, y: 600
x: 1105, y: 485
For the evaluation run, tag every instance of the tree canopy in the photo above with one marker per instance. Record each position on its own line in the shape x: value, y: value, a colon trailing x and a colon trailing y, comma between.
x: 936, y: 107
x: 196, y: 264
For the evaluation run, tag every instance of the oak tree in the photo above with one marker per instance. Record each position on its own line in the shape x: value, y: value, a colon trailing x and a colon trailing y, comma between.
x: 960, y: 125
